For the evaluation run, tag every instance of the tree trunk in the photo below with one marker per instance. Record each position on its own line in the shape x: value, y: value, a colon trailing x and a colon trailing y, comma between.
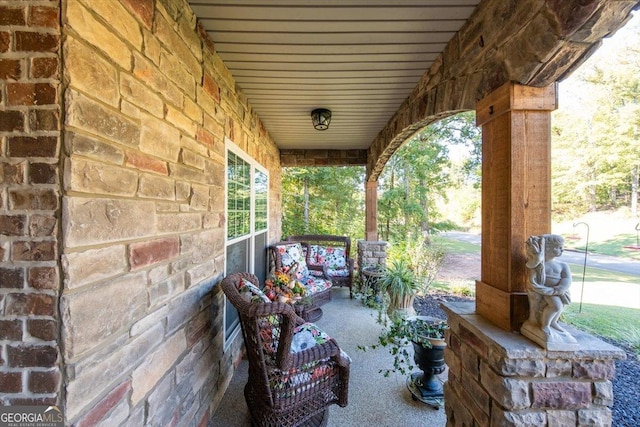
x: 306, y: 204
x: 634, y: 191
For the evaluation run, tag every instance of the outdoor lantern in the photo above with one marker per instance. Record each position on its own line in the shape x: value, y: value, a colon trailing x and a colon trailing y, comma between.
x: 321, y: 117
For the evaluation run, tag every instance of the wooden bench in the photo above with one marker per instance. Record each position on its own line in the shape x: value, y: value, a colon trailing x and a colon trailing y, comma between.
x: 329, y: 255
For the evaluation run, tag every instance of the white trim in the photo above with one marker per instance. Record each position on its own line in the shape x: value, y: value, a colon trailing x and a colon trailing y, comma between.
x: 230, y: 146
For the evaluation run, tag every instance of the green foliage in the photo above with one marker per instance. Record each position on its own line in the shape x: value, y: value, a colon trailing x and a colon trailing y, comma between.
x: 399, y: 280
x: 421, y: 255
x: 323, y: 200
x: 399, y: 333
x: 419, y: 174
x: 596, y: 138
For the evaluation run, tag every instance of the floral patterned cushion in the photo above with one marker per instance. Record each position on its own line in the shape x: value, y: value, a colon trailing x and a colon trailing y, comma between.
x: 292, y: 254
x: 251, y: 292
x: 288, y: 383
x: 314, y: 284
x: 333, y: 258
x: 306, y: 336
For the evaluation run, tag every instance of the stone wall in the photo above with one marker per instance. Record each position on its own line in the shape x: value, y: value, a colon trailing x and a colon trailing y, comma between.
x: 29, y: 202
x: 498, y: 378
x: 114, y: 227
x: 371, y: 253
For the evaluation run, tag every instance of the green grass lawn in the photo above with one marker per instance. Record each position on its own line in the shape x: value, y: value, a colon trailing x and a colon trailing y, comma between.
x: 618, y: 323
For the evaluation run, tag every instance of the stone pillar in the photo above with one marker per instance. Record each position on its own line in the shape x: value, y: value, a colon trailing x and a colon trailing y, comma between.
x: 516, y: 194
x: 498, y: 378
x: 371, y: 253
x: 371, y: 211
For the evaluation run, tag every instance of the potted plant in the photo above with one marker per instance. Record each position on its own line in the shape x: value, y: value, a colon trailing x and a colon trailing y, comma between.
x: 401, y: 284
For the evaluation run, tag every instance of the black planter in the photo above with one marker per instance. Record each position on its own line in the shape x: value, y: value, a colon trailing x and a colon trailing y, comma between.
x: 431, y: 362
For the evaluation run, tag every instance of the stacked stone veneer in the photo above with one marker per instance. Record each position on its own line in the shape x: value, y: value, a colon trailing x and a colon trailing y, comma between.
x: 371, y: 253
x: 498, y: 378
x: 112, y: 209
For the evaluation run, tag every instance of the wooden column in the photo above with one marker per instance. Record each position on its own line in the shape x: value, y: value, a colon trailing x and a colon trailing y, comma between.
x: 371, y: 211
x: 516, y: 194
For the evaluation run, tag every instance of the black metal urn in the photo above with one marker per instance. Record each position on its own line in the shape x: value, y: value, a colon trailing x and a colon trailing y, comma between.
x: 431, y: 361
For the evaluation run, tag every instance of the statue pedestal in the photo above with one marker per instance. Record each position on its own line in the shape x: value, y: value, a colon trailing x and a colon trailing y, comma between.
x: 497, y: 377
x: 553, y: 340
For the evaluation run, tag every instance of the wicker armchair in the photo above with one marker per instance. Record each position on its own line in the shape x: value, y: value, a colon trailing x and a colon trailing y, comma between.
x: 295, y: 370
x: 282, y: 257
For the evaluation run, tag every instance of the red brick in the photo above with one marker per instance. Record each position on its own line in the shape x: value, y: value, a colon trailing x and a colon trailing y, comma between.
x: 44, y: 329
x: 12, y: 15
x: 211, y: 87
x: 33, y: 251
x: 10, y: 69
x: 144, y: 162
x: 44, y: 119
x: 146, y: 253
x: 42, y: 225
x: 39, y: 146
x: 42, y: 68
x: 36, y: 42
x: 43, y: 173
x: 205, y: 137
x: 31, y: 94
x: 33, y: 199
x: 11, y: 121
x: 5, y: 40
x: 30, y: 304
x: 12, y: 225
x: 11, y: 330
x: 43, y: 16
x: 44, y: 381
x: 12, y: 173
x: 143, y: 9
x: 43, y: 277
x: 28, y: 356
x: 98, y: 411
x: 10, y: 382
x: 11, y: 277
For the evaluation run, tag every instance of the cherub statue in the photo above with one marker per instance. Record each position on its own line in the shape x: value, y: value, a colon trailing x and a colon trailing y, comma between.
x: 548, y: 291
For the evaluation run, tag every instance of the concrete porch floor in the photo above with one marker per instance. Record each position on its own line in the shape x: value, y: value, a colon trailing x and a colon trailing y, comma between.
x: 373, y: 399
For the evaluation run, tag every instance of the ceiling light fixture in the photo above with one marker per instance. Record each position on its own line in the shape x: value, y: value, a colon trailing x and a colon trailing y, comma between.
x: 321, y: 117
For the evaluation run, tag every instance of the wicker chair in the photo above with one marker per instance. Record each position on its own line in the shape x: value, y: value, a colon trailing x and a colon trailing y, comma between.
x: 283, y: 255
x: 295, y: 370
x: 330, y: 255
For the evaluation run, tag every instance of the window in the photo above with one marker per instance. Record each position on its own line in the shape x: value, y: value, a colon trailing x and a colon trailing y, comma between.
x: 247, y: 195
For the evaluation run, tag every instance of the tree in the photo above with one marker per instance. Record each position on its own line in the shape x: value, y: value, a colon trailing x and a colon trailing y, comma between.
x: 420, y: 172
x: 600, y: 134
x: 323, y: 200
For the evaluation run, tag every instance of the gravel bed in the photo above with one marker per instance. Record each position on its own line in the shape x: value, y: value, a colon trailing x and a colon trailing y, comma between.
x: 626, y: 390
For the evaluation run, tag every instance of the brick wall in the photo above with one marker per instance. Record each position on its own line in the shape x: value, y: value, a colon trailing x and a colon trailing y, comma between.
x: 29, y: 202
x: 133, y: 179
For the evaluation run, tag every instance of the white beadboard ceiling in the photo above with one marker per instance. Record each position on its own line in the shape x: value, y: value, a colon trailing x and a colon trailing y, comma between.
x: 358, y: 58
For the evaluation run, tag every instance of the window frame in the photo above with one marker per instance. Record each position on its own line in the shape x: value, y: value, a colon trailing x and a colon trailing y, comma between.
x: 254, y: 168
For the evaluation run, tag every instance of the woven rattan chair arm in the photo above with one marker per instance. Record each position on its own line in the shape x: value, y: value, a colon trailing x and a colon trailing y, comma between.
x: 318, y: 352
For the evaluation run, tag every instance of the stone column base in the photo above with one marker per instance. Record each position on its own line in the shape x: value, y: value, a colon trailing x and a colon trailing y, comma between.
x: 500, y: 378
x: 370, y: 254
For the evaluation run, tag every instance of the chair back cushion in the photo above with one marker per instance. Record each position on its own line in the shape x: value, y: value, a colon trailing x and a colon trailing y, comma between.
x: 334, y: 258
x: 290, y: 254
